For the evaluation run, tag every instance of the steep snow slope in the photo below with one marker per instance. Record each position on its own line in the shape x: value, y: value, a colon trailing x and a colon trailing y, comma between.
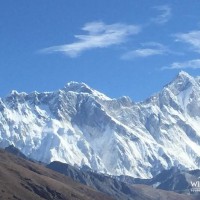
x: 80, y: 126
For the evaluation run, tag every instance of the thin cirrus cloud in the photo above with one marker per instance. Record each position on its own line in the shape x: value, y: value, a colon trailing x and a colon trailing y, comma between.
x: 192, y: 38
x: 193, y: 64
x: 149, y: 49
x: 98, y: 35
x: 164, y: 16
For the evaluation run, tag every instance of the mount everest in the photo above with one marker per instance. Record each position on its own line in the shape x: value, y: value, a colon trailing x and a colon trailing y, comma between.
x: 83, y: 127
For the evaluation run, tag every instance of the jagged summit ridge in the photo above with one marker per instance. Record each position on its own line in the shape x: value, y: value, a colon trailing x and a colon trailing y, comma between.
x: 182, y: 82
x: 77, y: 87
x: 183, y: 74
x: 81, y: 126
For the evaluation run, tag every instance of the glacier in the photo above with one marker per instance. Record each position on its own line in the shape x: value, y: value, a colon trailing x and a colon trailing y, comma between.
x: 83, y: 127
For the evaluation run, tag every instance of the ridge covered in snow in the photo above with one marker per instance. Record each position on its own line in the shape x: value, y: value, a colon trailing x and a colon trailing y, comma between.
x: 81, y: 126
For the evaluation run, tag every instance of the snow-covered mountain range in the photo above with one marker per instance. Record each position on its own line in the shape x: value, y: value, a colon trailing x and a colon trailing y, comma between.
x: 81, y: 126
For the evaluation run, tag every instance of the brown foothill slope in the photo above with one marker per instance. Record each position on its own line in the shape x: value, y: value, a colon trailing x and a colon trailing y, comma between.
x: 21, y: 179
x: 24, y: 180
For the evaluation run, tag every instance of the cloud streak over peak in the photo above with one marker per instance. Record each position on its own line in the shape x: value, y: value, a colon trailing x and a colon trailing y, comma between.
x: 193, y: 64
x: 148, y: 49
x: 192, y: 38
x: 98, y: 35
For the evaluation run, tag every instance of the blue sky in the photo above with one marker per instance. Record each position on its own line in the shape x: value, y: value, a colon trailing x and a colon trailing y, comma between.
x: 129, y: 47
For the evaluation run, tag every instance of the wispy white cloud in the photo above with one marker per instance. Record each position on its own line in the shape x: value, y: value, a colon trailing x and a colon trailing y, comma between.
x: 164, y: 16
x: 149, y: 49
x: 99, y: 35
x: 192, y: 38
x: 141, y: 53
x: 193, y: 64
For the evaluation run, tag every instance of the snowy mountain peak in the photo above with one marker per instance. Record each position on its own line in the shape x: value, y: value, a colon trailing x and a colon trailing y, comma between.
x: 16, y: 93
x: 81, y: 126
x: 84, y: 88
x: 184, y: 77
x: 125, y: 100
x: 78, y: 87
x: 183, y: 74
x: 182, y: 82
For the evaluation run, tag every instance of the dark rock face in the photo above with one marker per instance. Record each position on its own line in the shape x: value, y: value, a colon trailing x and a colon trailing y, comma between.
x: 100, y: 182
x: 116, y: 188
x: 175, y: 179
x: 12, y: 149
